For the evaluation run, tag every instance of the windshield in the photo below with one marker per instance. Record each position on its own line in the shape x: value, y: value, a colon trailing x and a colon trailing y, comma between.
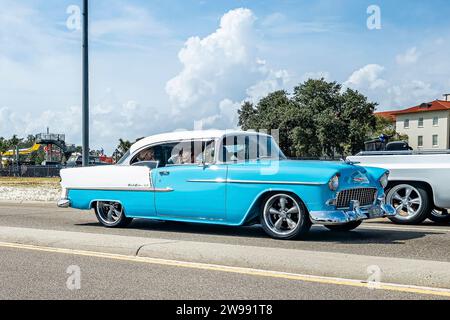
x: 124, y: 157
x: 250, y: 147
x: 73, y: 158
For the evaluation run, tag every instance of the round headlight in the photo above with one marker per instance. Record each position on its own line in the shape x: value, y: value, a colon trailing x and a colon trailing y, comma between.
x: 333, y: 184
x: 384, y: 180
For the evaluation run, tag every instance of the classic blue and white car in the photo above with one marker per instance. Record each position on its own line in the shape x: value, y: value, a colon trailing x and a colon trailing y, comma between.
x: 230, y: 178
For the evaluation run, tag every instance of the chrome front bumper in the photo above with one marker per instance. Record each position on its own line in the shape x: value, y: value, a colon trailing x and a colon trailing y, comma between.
x: 63, y: 203
x: 355, y: 213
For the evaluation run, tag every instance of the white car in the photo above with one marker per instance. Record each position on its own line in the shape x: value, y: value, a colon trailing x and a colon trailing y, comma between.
x: 419, y: 183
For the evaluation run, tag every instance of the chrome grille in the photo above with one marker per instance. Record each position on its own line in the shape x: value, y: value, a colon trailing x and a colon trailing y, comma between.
x: 365, y: 196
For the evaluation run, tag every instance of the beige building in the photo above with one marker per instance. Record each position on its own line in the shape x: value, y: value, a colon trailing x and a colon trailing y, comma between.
x: 427, y: 125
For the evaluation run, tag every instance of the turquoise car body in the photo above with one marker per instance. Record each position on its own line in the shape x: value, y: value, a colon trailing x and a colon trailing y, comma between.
x: 230, y: 194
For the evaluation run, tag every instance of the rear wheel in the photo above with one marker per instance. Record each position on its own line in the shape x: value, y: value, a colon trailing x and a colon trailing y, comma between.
x: 285, y: 217
x: 411, y: 201
x: 344, y: 227
x: 439, y: 215
x: 111, y: 214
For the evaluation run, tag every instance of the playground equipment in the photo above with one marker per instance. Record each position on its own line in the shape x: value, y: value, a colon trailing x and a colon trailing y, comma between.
x: 22, y: 152
x: 46, y: 140
x: 58, y: 140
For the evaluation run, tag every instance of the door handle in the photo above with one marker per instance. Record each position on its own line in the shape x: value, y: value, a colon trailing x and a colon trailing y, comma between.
x: 164, y: 173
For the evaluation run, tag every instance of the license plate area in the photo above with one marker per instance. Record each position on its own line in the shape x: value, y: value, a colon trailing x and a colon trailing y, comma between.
x: 375, y: 212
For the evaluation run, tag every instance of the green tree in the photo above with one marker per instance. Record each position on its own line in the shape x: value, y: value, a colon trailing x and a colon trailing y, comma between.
x: 15, y: 141
x: 357, y: 112
x: 122, y: 147
x: 318, y: 119
x: 272, y: 112
x: 248, y: 116
x: 320, y: 130
x: 4, y: 146
x: 386, y: 126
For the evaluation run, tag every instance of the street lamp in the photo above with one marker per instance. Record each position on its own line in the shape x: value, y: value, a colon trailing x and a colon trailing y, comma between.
x: 85, y: 86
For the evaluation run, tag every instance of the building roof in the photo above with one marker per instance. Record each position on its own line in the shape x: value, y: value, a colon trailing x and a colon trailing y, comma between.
x: 184, y: 135
x: 436, y: 105
x: 386, y: 114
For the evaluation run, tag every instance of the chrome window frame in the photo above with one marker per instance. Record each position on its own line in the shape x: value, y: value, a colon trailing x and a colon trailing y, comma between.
x: 245, y: 133
x: 132, y: 156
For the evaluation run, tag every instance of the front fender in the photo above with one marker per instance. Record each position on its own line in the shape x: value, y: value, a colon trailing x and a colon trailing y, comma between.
x: 375, y: 173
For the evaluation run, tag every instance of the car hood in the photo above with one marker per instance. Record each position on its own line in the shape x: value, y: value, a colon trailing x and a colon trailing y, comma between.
x: 315, y: 172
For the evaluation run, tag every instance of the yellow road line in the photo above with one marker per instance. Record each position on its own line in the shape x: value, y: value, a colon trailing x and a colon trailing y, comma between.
x: 237, y: 270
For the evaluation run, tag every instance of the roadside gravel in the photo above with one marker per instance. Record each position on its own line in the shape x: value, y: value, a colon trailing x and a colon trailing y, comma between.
x: 29, y: 189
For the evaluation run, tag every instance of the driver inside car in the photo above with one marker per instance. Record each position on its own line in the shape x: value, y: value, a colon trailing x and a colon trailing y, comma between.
x: 146, y: 155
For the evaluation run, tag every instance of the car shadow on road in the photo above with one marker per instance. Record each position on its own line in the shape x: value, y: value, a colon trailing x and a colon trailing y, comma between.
x: 317, y: 233
x: 366, y: 236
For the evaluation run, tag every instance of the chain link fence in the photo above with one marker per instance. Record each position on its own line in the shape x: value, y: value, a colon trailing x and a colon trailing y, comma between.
x: 30, y: 171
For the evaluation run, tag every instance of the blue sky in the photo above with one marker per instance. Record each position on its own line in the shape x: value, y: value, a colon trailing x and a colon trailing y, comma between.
x: 164, y: 65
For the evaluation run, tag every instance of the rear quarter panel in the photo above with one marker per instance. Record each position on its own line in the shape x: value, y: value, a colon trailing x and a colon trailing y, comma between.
x: 128, y: 185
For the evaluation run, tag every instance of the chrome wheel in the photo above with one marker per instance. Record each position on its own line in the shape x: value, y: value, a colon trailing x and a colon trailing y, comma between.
x: 109, y: 212
x: 282, y: 214
x: 406, y: 200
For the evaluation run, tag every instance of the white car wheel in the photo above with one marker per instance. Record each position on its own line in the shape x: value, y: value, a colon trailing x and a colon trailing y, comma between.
x: 411, y: 203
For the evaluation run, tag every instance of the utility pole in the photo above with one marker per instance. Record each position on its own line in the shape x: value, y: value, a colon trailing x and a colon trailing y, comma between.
x: 85, y: 86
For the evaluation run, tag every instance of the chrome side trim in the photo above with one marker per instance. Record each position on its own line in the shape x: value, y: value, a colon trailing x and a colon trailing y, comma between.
x: 137, y: 189
x: 162, y: 189
x: 276, y: 182
x: 219, y: 180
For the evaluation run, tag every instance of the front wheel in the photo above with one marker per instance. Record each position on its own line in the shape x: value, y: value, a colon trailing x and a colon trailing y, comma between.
x: 411, y: 201
x: 439, y: 215
x: 111, y: 214
x: 344, y: 227
x: 284, y: 217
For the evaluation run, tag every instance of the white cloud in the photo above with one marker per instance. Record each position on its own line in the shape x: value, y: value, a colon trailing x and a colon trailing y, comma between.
x: 272, y: 80
x: 278, y: 24
x: 409, y: 57
x: 411, y: 92
x: 220, y: 70
x: 131, y: 21
x: 367, y: 77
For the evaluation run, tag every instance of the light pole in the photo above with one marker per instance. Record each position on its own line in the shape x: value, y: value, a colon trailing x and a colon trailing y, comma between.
x: 85, y: 86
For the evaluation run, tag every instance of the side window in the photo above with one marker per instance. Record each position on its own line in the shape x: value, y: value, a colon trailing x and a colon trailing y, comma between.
x: 209, y: 151
x: 147, y: 154
x: 178, y: 153
x: 233, y: 148
x: 160, y: 153
x: 237, y: 148
x: 192, y: 152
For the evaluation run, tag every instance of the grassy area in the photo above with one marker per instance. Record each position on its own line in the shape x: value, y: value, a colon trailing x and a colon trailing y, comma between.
x: 29, y: 182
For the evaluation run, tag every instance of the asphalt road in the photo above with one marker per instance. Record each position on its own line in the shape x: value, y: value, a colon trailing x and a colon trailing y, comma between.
x: 32, y: 275
x: 39, y: 272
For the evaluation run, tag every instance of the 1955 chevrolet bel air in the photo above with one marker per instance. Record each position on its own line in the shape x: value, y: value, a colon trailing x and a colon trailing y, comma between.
x: 230, y: 178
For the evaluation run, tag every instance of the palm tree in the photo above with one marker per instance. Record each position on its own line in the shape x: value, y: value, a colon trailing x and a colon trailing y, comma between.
x: 122, y: 148
x: 3, y: 147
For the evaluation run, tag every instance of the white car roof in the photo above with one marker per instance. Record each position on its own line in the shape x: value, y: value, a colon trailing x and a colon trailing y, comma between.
x: 184, y: 135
